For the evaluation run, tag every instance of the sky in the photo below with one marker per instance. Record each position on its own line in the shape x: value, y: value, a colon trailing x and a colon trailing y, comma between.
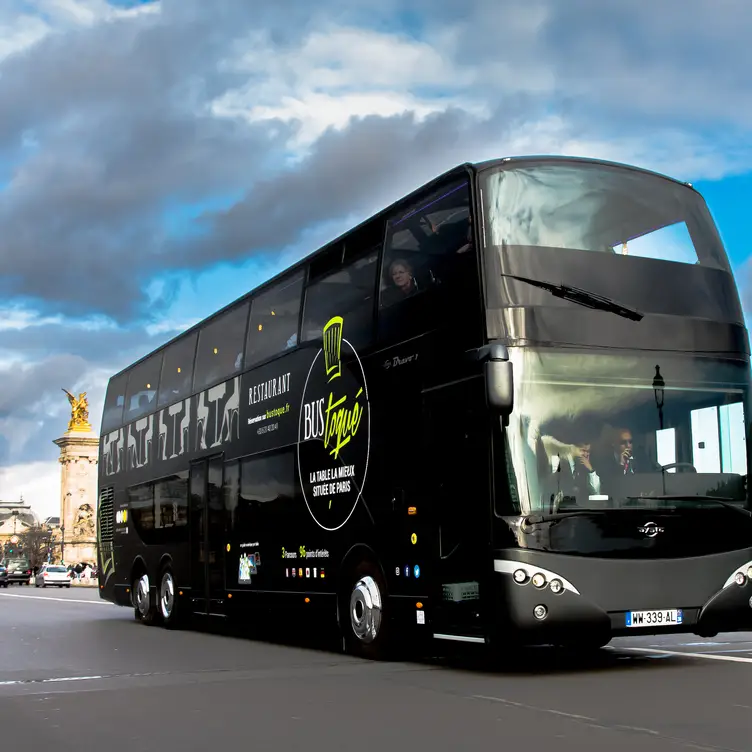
x: 159, y: 158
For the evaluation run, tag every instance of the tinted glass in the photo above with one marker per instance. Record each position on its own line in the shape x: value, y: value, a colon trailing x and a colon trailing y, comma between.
x: 143, y: 381
x: 220, y: 348
x: 171, y: 502
x: 177, y: 370
x: 112, y: 416
x: 274, y: 320
x: 348, y: 293
x: 141, y: 504
x: 263, y: 479
x: 267, y: 478
x: 424, y: 244
x: 605, y: 431
x: 615, y: 211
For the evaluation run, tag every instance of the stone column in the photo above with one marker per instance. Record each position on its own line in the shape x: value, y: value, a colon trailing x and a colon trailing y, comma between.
x: 79, y: 458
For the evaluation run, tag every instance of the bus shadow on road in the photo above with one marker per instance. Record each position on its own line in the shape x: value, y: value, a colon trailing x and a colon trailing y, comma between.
x: 521, y: 661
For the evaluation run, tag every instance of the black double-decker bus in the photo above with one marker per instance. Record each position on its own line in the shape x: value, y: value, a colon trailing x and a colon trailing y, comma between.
x: 510, y: 408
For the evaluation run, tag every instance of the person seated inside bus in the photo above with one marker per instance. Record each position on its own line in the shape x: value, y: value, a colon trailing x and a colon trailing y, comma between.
x: 571, y: 465
x: 403, y: 284
x: 617, y: 457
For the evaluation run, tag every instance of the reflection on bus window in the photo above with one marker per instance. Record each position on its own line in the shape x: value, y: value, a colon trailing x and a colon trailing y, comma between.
x: 598, y: 208
x: 595, y: 431
x: 220, y: 347
x: 177, y: 371
x: 349, y: 293
x: 274, y: 321
x: 112, y: 415
x: 141, y: 395
x: 423, y: 244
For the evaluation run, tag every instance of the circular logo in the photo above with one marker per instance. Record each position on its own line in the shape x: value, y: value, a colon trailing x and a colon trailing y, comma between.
x: 416, y: 571
x: 334, y: 430
x: 650, y: 529
x: 413, y: 539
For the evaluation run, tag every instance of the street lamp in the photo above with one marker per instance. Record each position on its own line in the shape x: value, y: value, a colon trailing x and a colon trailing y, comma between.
x: 62, y: 531
x: 659, y: 386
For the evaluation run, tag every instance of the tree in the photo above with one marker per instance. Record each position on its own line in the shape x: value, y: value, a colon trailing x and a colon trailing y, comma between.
x: 34, y: 545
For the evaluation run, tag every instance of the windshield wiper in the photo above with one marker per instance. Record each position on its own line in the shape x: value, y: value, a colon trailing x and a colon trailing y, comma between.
x: 581, y: 297
x: 535, y: 519
x: 724, y: 501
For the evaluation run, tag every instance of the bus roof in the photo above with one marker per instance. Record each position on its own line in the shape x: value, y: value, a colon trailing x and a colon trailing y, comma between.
x: 552, y: 158
x: 456, y: 170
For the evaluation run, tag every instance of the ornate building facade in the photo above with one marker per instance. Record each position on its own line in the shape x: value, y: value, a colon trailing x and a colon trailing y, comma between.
x: 79, y: 458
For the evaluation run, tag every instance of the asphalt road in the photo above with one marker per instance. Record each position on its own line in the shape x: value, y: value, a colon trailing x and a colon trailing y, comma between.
x: 77, y: 673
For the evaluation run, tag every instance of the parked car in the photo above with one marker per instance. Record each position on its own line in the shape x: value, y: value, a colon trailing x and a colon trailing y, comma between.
x: 3, y: 576
x: 19, y: 571
x: 53, y: 574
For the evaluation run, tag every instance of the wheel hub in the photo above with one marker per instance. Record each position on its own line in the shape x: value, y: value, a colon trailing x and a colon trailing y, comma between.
x: 366, y: 609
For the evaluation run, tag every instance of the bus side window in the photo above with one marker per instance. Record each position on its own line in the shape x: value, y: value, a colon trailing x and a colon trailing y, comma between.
x: 426, y: 243
x: 177, y: 371
x: 220, y: 347
x: 141, y: 395
x: 114, y: 402
x: 274, y: 321
x: 348, y: 293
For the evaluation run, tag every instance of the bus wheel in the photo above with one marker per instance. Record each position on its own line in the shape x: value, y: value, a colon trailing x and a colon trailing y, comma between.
x: 364, y: 613
x: 145, y: 610
x: 168, y: 602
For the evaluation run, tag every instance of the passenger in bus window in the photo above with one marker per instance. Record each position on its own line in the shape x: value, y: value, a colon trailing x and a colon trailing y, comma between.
x: 403, y: 284
x: 572, y: 461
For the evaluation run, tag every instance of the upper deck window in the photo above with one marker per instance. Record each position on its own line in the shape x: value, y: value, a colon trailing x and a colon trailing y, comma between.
x: 423, y: 243
x: 112, y: 416
x: 220, y: 347
x: 177, y: 370
x: 594, y: 207
x: 349, y: 293
x: 274, y: 320
x: 143, y: 381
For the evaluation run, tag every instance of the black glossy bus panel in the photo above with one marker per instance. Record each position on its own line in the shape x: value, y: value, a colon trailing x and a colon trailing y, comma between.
x: 596, y: 595
x: 621, y: 533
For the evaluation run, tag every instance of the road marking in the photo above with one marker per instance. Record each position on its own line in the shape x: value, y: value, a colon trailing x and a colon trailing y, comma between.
x: 533, y: 707
x: 59, y: 679
x: 707, y: 656
x: 52, y: 598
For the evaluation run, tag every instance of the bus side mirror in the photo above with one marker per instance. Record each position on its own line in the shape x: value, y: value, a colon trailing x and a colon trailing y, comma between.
x: 499, y: 378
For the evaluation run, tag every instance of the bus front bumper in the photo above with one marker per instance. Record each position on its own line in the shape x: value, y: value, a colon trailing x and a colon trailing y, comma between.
x: 548, y: 598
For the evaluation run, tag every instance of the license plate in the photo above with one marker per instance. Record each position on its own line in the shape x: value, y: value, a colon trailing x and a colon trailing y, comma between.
x: 658, y: 618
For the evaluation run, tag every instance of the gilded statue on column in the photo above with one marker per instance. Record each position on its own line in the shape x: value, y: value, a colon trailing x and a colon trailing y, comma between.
x: 79, y: 412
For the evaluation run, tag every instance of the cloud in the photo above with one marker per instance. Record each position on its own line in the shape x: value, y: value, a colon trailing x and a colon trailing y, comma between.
x: 136, y: 112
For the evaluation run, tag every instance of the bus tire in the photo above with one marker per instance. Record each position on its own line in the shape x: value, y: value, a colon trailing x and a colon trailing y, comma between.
x: 145, y: 610
x: 169, y: 611
x: 364, y: 612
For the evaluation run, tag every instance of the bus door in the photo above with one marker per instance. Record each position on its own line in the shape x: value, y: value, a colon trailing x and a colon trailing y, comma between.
x: 455, y: 458
x: 207, y: 524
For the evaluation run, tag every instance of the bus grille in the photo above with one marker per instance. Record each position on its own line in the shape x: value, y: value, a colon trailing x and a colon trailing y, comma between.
x: 106, y: 514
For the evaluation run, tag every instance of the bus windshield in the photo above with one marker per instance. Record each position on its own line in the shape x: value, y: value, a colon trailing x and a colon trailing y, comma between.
x: 600, y: 208
x: 644, y: 243
x: 603, y: 431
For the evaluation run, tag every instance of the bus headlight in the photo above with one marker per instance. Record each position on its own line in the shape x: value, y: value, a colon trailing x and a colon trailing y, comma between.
x: 749, y: 573
x: 739, y: 578
x: 520, y: 576
x: 556, y: 586
x: 539, y: 612
x: 539, y: 580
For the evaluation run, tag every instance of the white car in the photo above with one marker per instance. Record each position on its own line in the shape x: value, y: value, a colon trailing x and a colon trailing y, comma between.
x: 51, y: 574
